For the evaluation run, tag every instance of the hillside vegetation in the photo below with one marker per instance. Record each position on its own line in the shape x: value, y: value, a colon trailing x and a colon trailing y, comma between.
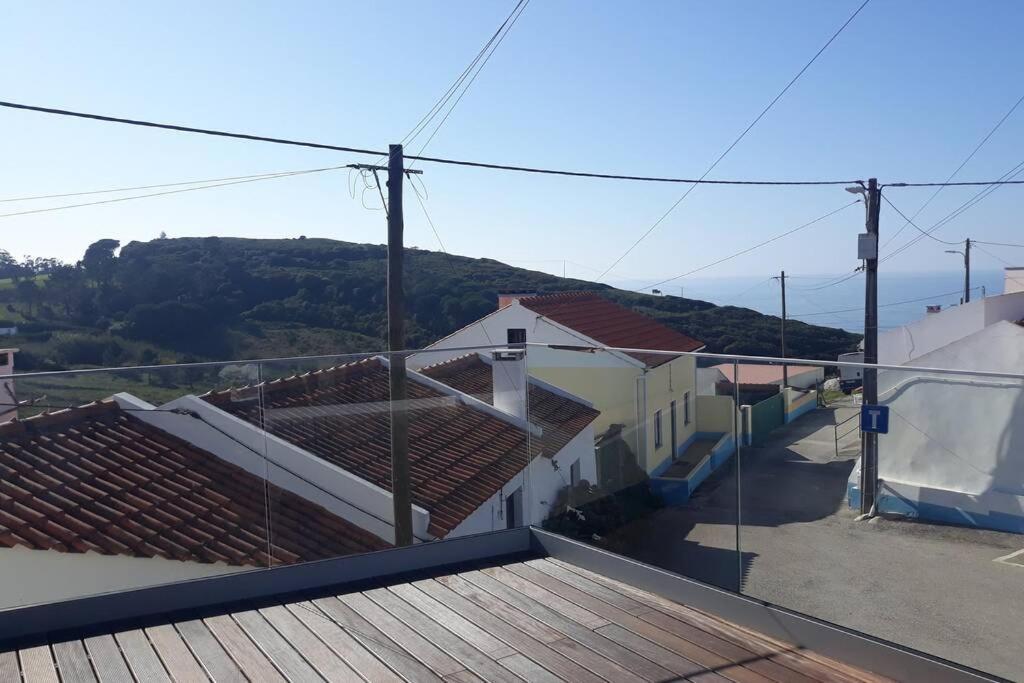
x: 212, y: 298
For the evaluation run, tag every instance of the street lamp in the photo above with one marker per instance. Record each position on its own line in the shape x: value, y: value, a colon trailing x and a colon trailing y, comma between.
x: 966, y: 253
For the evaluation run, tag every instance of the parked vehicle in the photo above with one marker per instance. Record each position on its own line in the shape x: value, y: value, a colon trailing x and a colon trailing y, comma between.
x: 850, y: 378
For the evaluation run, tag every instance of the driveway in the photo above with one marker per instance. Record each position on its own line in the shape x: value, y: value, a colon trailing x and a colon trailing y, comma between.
x: 933, y: 588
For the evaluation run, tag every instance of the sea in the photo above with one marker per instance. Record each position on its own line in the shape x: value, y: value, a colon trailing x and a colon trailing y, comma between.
x: 823, y: 300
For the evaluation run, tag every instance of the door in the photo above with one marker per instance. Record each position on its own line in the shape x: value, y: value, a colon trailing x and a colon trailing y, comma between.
x: 514, y: 509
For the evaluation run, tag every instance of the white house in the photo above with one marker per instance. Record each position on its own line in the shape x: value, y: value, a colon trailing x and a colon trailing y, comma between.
x: 955, y: 447
x: 649, y: 398
x: 476, y: 465
x: 8, y: 400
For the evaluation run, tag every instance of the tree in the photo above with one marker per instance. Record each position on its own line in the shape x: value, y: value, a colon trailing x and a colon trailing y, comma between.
x: 28, y: 293
x: 99, y: 262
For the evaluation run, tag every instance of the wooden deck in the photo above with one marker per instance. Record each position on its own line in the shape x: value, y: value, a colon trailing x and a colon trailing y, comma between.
x: 539, y: 620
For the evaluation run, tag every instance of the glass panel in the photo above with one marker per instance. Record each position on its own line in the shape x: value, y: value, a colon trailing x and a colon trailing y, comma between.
x: 668, y: 501
x: 117, y: 479
x: 937, y: 565
x: 329, y: 424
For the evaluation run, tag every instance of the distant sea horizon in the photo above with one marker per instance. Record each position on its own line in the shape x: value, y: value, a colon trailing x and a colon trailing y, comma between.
x: 838, y: 305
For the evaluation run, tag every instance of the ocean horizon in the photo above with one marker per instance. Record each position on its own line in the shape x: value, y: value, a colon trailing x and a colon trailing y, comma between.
x: 902, y: 297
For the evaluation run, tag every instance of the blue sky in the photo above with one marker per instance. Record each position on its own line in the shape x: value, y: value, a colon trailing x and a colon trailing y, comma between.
x: 657, y: 88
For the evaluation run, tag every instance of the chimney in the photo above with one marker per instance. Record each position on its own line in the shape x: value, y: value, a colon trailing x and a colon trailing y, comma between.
x: 1013, y: 280
x: 8, y: 411
x: 933, y: 309
x: 506, y: 298
x: 508, y: 376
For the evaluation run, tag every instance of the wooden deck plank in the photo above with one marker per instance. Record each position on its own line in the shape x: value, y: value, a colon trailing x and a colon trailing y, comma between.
x: 10, y: 672
x: 343, y: 644
x: 612, y: 597
x: 383, y: 647
x: 73, y: 661
x: 530, y: 626
x: 107, y: 659
x: 321, y: 657
x: 422, y: 649
x: 555, y: 662
x: 672, y: 661
x: 179, y: 660
x: 470, y: 657
x: 211, y: 655
x: 635, y: 666
x: 142, y: 659
x: 250, y: 659
x: 602, y: 666
x: 529, y: 670
x: 550, y: 600
x: 37, y: 665
x: 282, y: 653
x: 829, y: 669
x: 464, y: 676
x: 454, y: 622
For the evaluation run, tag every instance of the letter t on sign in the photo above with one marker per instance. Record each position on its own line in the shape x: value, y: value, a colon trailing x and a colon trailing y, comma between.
x: 874, y: 419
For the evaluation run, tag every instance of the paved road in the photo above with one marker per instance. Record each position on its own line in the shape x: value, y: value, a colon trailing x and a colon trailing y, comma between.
x: 934, y: 588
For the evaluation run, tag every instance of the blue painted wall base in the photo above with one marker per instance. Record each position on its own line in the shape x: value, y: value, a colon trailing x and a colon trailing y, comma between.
x: 892, y: 503
x: 677, y: 491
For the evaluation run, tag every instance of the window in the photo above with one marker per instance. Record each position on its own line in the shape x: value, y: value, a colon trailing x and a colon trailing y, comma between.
x: 686, y: 408
x: 672, y: 426
x: 516, y: 335
x: 657, y: 429
x: 574, y: 473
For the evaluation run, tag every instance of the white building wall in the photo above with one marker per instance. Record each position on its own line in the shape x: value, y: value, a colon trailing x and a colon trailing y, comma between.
x: 540, y: 483
x: 955, y: 442
x: 29, y: 577
x: 7, y: 388
x: 935, y: 330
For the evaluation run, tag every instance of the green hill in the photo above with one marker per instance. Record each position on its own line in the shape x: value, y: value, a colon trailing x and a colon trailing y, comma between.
x: 218, y: 298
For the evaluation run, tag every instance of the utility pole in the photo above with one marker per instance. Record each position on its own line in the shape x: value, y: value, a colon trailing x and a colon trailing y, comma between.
x: 782, y: 331
x: 869, y: 250
x: 967, y: 270
x: 399, y: 404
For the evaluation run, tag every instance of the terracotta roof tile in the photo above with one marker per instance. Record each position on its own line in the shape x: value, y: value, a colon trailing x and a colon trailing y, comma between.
x: 459, y: 456
x: 611, y: 324
x: 559, y: 417
x: 97, y: 478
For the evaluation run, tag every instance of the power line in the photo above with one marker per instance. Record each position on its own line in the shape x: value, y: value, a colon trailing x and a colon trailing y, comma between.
x: 974, y: 183
x: 998, y: 244
x: 737, y: 140
x: 941, y: 186
x: 756, y: 246
x: 168, y: 192
x: 521, y: 7
x: 894, y: 303
x: 435, y: 160
x: 256, y: 176
x: 916, y: 227
x: 439, y: 105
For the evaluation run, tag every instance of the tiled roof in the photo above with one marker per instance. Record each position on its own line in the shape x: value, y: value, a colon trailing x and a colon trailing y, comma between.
x: 559, y: 417
x: 611, y: 324
x: 458, y: 456
x: 757, y: 373
x: 97, y: 478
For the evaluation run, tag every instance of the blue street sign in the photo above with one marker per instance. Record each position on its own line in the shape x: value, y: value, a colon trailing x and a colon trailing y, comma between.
x: 874, y: 419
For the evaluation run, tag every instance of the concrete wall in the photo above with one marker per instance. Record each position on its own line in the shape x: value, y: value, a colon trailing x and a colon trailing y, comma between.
x: 30, y: 577
x: 707, y: 378
x: 540, y: 483
x: 934, y: 331
x: 715, y: 414
x: 797, y: 403
x: 955, y: 447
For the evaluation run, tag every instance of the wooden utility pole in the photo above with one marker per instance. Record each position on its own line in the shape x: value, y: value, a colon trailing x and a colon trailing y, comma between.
x: 869, y: 250
x: 967, y: 270
x: 399, y: 405
x: 782, y: 334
